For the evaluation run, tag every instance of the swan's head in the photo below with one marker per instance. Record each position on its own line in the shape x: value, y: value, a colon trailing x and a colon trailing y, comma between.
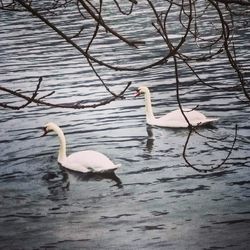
x: 48, y: 128
x: 142, y: 91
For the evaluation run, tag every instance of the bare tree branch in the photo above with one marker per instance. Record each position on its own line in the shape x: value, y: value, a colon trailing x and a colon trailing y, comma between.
x: 213, y: 168
x: 189, y: 16
x: 239, y: 2
x: 40, y: 101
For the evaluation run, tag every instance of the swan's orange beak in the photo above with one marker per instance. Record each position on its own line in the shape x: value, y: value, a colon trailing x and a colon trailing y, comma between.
x: 44, y: 131
x: 137, y: 93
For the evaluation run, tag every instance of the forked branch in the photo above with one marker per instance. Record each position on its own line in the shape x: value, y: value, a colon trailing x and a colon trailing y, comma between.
x: 41, y: 100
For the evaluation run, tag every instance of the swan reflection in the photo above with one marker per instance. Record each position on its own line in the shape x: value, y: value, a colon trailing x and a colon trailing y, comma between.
x: 150, y: 139
x: 60, y: 180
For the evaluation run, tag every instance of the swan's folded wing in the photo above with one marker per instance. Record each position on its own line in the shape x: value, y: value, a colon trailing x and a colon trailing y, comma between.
x: 89, y: 161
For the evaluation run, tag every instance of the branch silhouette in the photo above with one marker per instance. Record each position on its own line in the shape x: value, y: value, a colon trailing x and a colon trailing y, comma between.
x: 40, y: 101
x: 213, y: 168
x: 189, y: 47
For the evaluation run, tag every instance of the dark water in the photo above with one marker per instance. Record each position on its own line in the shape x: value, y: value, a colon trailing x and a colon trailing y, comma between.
x: 161, y: 203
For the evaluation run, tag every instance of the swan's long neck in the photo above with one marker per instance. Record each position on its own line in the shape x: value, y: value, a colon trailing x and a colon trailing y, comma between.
x: 148, y: 105
x: 62, y: 150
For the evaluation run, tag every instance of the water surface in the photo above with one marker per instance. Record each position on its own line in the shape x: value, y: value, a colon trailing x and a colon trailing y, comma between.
x: 161, y: 203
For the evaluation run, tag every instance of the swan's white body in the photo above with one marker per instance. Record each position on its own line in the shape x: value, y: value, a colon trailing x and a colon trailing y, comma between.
x: 88, y: 161
x: 173, y: 119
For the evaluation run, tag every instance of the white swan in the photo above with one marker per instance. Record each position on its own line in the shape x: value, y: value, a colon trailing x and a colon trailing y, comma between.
x: 88, y: 161
x: 173, y: 119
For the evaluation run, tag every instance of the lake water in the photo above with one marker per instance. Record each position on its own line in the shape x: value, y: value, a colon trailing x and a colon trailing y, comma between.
x: 160, y: 203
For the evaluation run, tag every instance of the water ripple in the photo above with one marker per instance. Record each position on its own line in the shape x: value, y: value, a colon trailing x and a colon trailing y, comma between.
x: 156, y: 201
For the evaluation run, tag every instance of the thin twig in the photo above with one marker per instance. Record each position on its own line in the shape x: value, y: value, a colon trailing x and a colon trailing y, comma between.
x: 216, y: 167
